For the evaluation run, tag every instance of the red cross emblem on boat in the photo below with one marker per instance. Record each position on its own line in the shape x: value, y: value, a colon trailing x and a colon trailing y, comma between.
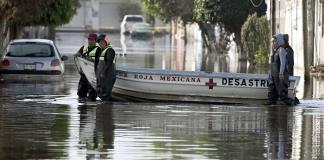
x: 211, y: 83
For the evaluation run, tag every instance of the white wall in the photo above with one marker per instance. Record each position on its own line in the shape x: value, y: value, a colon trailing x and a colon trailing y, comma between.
x: 78, y: 19
x: 109, y: 17
x: 319, y: 34
x: 289, y: 20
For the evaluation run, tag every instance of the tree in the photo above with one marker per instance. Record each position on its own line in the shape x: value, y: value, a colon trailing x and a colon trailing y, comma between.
x: 38, y: 13
x: 168, y: 10
x: 7, y: 11
x: 308, y: 35
x: 229, y: 15
x: 255, y: 37
x: 128, y: 7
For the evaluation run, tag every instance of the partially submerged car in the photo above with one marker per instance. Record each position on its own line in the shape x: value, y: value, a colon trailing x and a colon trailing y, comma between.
x: 141, y: 31
x: 30, y: 59
x: 128, y: 22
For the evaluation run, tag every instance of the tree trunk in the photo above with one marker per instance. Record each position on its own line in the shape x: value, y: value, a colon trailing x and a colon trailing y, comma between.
x: 185, y: 38
x: 4, y: 35
x: 51, y: 32
x: 208, y: 36
x: 273, y: 17
x: 308, y: 89
x: 14, y: 31
x: 308, y: 33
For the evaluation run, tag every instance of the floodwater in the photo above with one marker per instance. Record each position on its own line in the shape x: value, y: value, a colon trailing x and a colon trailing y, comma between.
x: 44, y: 120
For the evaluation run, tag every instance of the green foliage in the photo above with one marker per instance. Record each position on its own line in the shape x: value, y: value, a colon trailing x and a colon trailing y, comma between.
x: 128, y: 7
x: 229, y: 13
x: 49, y: 12
x: 168, y: 10
x: 255, y: 37
x: 39, y: 12
x: 261, y: 56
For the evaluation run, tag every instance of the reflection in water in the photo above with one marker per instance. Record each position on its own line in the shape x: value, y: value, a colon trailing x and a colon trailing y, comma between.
x: 215, y: 63
x: 312, y: 89
x: 279, y: 133
x: 309, y: 133
x: 144, y: 53
x: 318, y: 85
x: 96, y: 130
x: 31, y: 131
x: 191, y: 131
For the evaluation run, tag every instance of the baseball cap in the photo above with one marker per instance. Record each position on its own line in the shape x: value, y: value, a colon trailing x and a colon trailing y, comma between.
x: 92, y: 36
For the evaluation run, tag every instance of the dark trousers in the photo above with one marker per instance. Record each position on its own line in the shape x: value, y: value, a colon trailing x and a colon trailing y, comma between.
x: 85, y: 88
x: 278, y: 89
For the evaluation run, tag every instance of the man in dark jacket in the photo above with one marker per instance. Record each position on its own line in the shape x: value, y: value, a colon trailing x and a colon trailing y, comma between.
x: 290, y: 55
x: 106, y: 71
x: 290, y: 60
x: 279, y: 77
x: 89, y: 51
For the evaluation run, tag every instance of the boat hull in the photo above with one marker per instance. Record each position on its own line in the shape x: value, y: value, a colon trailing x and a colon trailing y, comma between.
x: 87, y: 67
x: 166, y: 85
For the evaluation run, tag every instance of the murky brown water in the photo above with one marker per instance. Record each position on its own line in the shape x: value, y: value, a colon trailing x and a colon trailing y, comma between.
x: 46, y: 121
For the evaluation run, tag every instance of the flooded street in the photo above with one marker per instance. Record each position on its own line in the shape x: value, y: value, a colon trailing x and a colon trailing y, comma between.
x: 44, y: 120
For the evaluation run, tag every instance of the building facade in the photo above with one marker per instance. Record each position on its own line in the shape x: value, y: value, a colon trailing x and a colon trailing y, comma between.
x: 97, y: 15
x: 303, y: 21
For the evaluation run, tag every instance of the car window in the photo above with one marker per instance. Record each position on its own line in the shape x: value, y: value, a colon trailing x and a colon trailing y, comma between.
x: 30, y: 50
x: 134, y: 19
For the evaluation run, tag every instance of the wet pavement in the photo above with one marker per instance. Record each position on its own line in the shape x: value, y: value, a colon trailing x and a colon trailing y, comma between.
x: 44, y: 120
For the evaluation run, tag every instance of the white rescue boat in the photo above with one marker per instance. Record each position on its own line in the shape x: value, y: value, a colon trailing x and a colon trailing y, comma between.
x: 190, y: 86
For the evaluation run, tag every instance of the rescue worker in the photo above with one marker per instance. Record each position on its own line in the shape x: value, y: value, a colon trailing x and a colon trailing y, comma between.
x: 278, y: 77
x: 89, y: 51
x: 290, y: 60
x: 106, y: 71
x: 290, y: 55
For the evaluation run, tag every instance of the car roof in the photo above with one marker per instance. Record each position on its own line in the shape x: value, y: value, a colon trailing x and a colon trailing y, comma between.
x: 133, y: 15
x: 32, y: 40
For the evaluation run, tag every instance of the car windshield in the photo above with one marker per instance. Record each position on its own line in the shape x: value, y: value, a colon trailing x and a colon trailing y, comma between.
x: 134, y: 19
x: 30, y: 50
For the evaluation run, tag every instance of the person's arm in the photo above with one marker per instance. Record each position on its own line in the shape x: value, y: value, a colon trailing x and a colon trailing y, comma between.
x: 282, y: 56
x: 79, y: 52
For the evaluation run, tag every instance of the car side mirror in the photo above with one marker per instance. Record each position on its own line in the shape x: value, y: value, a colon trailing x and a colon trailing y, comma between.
x: 64, y: 58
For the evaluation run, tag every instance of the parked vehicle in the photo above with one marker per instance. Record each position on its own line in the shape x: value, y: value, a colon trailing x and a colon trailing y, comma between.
x: 141, y: 31
x: 32, y: 58
x: 129, y: 21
